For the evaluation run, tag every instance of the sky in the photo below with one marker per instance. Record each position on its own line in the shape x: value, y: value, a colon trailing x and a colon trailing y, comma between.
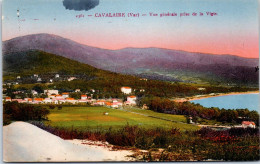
x: 234, y: 30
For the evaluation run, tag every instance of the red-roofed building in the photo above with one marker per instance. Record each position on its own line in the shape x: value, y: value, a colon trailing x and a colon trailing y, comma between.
x: 19, y: 100
x: 132, y: 100
x: 29, y: 100
x: 8, y: 99
x: 71, y: 100
x: 52, y: 96
x: 59, y: 96
x: 83, y: 100
x: 22, y: 101
x: 126, y: 90
x: 38, y: 100
x: 116, y: 104
x: 246, y: 124
x: 59, y: 100
x: 65, y: 94
x: 108, y: 103
x: 84, y: 97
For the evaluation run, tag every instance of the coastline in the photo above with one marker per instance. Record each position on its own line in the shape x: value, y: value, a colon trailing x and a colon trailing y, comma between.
x: 198, y: 97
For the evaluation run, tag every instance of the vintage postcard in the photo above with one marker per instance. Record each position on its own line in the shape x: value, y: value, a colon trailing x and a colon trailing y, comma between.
x: 130, y: 80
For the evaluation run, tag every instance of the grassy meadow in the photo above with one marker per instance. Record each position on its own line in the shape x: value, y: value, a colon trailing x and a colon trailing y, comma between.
x: 93, y: 117
x: 165, y: 137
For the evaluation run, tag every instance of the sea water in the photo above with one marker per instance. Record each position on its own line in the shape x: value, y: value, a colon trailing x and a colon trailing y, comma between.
x: 240, y: 101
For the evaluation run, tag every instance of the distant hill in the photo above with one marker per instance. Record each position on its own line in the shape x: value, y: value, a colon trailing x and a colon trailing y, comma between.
x: 154, y: 63
x: 107, y: 84
x: 31, y: 62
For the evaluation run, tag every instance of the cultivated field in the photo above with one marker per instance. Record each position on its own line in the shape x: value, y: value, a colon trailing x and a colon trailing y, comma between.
x: 94, y: 118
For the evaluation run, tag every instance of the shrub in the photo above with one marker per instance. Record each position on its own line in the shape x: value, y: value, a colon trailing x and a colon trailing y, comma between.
x: 51, y: 106
x: 233, y: 152
x: 123, y: 137
x: 13, y: 111
x: 59, y: 107
x: 243, y: 131
x: 6, y: 119
x: 200, y: 145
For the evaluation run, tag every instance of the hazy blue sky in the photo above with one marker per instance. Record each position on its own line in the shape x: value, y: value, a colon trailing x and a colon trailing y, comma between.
x: 233, y: 31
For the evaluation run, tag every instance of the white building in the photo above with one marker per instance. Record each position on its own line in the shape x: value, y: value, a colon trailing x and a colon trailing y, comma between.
x: 77, y: 90
x: 101, y: 102
x: 57, y: 76
x: 51, y: 92
x: 47, y: 101
x: 71, y: 100
x: 55, y: 101
x: 132, y: 100
x: 34, y: 92
x: 246, y: 124
x: 29, y: 100
x: 114, y: 100
x: 65, y: 95
x: 71, y: 78
x: 83, y: 100
x: 126, y: 90
x: 143, y: 79
x: 8, y: 99
x: 190, y: 118
x: 59, y: 97
x: 52, y: 96
x: 84, y: 97
x: 59, y: 100
x: 119, y: 104
x: 114, y: 105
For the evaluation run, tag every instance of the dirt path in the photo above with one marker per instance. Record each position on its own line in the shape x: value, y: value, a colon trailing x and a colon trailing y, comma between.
x: 160, y: 118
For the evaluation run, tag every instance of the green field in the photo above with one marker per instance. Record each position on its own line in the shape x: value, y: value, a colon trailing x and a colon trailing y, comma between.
x: 93, y: 117
x: 174, y: 118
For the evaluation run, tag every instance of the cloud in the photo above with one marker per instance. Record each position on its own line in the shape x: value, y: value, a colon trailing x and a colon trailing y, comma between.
x: 80, y: 4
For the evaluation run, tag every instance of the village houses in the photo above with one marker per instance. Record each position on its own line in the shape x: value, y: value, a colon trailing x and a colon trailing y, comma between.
x: 53, y: 97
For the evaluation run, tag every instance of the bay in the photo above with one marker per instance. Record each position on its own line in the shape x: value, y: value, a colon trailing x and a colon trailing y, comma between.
x: 239, y: 101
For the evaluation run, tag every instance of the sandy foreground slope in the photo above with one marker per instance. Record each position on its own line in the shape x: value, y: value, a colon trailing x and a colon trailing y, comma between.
x: 25, y: 142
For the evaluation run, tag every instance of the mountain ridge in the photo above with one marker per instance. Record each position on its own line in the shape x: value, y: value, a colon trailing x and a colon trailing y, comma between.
x: 179, y: 65
x: 179, y: 50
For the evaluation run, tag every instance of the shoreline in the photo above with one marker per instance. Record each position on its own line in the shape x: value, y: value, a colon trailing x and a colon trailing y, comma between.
x: 198, y: 97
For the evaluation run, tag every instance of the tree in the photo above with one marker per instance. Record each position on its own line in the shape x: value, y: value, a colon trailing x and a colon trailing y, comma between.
x: 43, y: 96
x: 254, y: 116
x: 75, y: 95
x: 23, y: 112
x: 38, y: 88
